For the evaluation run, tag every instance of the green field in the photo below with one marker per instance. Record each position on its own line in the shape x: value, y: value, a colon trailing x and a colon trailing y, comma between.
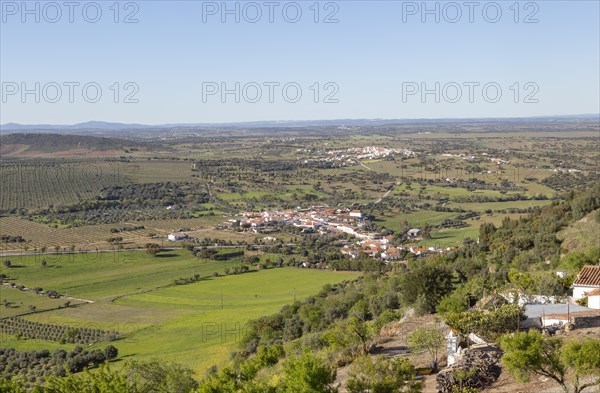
x: 197, y: 324
x: 495, y: 206
x: 102, y: 275
x: 416, y: 218
x: 19, y: 302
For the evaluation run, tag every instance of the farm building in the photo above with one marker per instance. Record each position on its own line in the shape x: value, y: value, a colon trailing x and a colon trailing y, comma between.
x: 415, y: 232
x: 545, y: 315
x: 356, y: 213
x: 177, y: 236
x: 587, y: 280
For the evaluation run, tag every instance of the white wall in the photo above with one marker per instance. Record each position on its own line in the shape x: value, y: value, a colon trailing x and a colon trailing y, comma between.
x: 594, y: 302
x: 553, y: 321
x: 579, y: 292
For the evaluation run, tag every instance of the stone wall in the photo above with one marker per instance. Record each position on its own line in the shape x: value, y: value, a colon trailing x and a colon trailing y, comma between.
x: 586, y: 321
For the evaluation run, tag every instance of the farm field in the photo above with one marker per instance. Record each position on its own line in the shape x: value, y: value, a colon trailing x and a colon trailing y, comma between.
x: 186, y: 323
x: 99, y: 276
x: 92, y: 237
x: 42, y: 183
x: 495, y: 206
x: 415, y: 218
x: 19, y: 302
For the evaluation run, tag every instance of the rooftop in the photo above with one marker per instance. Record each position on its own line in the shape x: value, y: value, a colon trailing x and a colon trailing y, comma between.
x: 588, y: 277
x: 537, y: 310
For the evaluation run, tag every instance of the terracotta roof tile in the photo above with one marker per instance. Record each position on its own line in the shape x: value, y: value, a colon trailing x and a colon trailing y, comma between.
x: 589, y: 276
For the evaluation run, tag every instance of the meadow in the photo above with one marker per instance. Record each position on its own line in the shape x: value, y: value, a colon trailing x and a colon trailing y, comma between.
x: 197, y: 324
x: 19, y: 302
x: 98, y: 276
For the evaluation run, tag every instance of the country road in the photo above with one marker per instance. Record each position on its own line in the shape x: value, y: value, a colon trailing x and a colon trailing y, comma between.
x: 388, y: 191
x: 361, y: 163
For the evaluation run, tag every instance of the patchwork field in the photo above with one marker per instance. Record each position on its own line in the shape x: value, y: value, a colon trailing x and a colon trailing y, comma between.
x: 197, y: 324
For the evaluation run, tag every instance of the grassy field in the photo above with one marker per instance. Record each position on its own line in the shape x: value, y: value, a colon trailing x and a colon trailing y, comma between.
x: 101, y: 275
x: 417, y: 218
x: 451, y: 236
x: 495, y: 206
x: 196, y: 324
x: 19, y: 302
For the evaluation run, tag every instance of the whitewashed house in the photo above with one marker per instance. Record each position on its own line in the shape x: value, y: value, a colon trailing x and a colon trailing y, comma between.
x: 587, y: 280
x: 177, y: 236
x: 415, y: 232
x: 594, y: 299
x: 356, y: 213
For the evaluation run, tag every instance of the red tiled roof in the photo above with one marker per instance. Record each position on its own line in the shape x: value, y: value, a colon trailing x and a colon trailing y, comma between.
x: 589, y: 276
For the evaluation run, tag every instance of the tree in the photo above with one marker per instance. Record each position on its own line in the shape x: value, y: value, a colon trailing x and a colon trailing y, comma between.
x: 362, y: 331
x: 426, y: 286
x: 487, y: 325
x: 455, y: 302
x: 152, y: 248
x: 426, y: 231
x: 103, y: 380
x: 575, y: 261
x: 111, y: 352
x: 11, y: 385
x: 308, y: 374
x: 349, y: 332
x: 7, y: 263
x: 158, y: 376
x: 530, y: 353
x: 381, y: 375
x: 427, y: 338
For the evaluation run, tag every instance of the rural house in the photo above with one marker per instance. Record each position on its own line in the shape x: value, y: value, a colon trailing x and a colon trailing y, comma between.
x: 587, y: 280
x: 594, y: 299
x: 415, y: 232
x: 177, y: 236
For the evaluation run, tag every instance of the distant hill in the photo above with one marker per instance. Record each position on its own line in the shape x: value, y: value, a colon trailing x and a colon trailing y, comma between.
x: 31, y: 145
x: 88, y: 125
x: 581, y: 234
x: 101, y: 125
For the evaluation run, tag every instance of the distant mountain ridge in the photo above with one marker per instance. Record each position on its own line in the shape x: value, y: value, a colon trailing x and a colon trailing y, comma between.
x: 102, y: 125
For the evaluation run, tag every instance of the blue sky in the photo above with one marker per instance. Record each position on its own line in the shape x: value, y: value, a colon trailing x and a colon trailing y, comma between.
x: 373, y: 61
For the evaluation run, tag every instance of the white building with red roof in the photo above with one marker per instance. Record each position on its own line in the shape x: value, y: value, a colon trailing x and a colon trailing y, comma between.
x: 587, y: 280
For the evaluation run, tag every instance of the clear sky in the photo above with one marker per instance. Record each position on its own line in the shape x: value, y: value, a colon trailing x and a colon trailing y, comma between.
x: 373, y: 60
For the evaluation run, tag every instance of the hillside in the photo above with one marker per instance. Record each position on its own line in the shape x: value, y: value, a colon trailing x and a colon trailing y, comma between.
x: 582, y: 234
x: 34, y: 145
